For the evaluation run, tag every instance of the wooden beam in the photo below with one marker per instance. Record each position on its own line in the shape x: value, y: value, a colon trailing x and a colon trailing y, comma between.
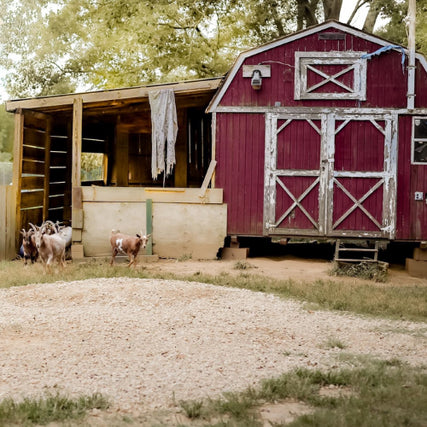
x: 113, y: 95
x: 77, y: 141
x: 46, y: 169
x: 18, y: 147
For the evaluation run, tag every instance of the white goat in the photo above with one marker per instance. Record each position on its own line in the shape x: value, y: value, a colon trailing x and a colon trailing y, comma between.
x: 51, y: 247
x: 129, y: 245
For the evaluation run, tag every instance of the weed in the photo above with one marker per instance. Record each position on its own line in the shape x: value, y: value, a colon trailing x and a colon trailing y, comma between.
x: 185, y: 257
x: 381, y: 394
x: 192, y: 409
x: 334, y: 343
x: 48, y: 409
x: 242, y: 265
x: 363, y: 270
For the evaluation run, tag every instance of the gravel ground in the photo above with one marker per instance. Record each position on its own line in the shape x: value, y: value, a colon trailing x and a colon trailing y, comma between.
x: 144, y: 343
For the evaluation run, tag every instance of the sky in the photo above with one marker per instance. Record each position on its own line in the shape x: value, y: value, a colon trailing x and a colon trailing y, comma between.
x: 348, y: 6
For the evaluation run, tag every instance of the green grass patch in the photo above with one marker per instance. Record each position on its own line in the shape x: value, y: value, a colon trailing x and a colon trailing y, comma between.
x: 381, y: 394
x: 50, y: 408
x: 408, y: 302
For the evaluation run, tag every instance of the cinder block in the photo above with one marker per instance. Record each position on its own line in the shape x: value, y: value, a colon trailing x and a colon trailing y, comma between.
x: 77, y: 251
x: 234, y: 253
x: 416, y: 268
x: 420, y: 254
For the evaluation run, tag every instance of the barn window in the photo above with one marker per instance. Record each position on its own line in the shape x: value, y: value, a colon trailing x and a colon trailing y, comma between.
x: 330, y: 75
x: 419, y: 140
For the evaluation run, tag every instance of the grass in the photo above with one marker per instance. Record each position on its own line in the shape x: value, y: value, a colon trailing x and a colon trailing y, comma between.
x: 50, y: 408
x: 409, y: 302
x: 382, y: 394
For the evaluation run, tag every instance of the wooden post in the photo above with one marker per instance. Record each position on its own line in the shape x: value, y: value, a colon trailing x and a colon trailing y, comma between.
x: 18, y: 147
x: 149, y: 225
x: 77, y: 205
x: 77, y: 142
x: 46, y: 169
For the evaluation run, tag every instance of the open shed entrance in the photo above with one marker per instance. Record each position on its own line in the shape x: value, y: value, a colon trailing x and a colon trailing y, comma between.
x: 330, y: 175
x: 111, y: 134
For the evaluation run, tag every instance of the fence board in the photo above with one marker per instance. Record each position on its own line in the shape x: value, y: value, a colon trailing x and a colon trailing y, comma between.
x: 7, y: 222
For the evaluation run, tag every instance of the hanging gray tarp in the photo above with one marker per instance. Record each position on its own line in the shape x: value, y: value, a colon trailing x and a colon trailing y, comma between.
x: 164, y: 130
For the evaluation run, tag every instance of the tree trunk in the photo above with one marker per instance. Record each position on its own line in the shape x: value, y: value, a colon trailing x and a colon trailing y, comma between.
x: 371, y: 17
x: 332, y: 9
x: 306, y: 12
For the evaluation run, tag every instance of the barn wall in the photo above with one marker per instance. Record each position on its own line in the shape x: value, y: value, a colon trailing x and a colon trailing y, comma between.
x: 386, y: 80
x: 183, y: 224
x: 411, y: 214
x: 240, y: 170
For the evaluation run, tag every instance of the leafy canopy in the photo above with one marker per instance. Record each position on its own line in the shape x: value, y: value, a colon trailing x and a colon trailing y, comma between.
x: 58, y: 46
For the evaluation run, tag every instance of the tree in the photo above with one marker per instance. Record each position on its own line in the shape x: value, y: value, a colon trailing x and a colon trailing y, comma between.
x: 6, y: 135
x: 57, y: 46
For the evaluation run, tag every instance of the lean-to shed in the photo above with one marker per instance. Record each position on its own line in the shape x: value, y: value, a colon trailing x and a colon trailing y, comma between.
x: 323, y: 134
x: 86, y: 159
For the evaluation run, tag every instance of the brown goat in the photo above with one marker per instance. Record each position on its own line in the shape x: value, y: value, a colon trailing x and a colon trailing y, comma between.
x: 29, y: 248
x: 129, y: 245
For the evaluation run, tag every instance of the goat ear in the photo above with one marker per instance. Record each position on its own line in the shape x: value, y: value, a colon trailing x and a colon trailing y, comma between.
x: 148, y: 236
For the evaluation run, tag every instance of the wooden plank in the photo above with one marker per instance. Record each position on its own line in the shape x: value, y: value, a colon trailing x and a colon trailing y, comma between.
x: 33, y: 153
x: 32, y: 182
x: 18, y: 169
x: 31, y: 215
x: 113, y: 95
x: 46, y: 170
x: 32, y: 199
x: 158, y: 195
x: 122, y: 159
x: 77, y: 141
x: 34, y: 137
x: 207, y: 178
x: 10, y: 223
x: 3, y: 214
x: 32, y: 167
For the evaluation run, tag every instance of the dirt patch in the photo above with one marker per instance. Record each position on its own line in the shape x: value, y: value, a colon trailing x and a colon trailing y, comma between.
x: 284, y: 267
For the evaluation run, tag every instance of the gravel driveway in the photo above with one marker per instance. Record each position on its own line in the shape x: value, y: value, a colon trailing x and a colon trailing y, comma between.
x: 144, y: 343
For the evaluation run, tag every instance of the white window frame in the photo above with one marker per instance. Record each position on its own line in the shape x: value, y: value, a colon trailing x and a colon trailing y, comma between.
x: 414, y: 140
x: 305, y: 61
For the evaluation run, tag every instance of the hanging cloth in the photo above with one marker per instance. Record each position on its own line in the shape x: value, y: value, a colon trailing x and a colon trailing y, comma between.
x: 164, y: 130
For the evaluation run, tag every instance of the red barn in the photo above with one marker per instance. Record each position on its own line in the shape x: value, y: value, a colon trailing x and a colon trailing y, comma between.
x: 321, y: 134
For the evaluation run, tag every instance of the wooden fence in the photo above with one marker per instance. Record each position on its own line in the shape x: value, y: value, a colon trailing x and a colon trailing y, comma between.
x: 7, y: 222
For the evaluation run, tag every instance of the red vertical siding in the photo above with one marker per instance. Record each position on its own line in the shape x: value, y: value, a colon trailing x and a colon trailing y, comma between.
x: 240, y: 140
x: 386, y: 78
x: 411, y: 214
x: 240, y: 170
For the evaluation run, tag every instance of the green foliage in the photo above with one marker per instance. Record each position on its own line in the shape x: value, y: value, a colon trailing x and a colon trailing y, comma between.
x: 56, y: 46
x: 48, y: 409
x: 6, y: 135
x: 373, y: 393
